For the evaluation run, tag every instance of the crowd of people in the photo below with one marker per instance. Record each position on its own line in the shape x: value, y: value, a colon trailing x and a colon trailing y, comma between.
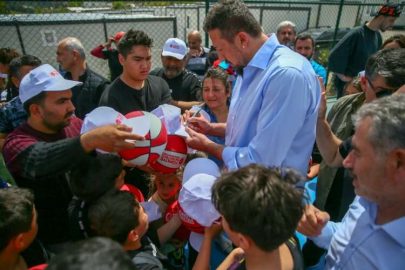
x: 264, y: 129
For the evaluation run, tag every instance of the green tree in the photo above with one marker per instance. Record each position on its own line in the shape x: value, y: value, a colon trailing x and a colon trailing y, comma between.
x: 4, y: 8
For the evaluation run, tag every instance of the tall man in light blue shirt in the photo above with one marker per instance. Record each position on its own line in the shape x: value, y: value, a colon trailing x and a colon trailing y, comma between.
x: 371, y: 234
x: 274, y: 103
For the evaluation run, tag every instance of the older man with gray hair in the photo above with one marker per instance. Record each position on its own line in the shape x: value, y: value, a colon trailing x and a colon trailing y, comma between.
x: 370, y: 235
x: 286, y: 33
x: 72, y: 58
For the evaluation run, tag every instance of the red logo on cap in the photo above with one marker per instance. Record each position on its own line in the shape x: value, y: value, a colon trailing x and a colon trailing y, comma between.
x: 54, y: 73
x: 119, y: 119
x: 174, y: 46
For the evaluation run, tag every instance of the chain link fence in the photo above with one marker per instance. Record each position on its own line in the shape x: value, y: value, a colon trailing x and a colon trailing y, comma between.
x: 36, y: 27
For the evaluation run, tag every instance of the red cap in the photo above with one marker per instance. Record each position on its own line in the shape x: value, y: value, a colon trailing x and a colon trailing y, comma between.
x: 119, y: 35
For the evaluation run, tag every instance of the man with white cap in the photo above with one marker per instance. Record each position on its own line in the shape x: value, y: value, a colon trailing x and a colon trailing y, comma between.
x: 41, y: 152
x: 184, y: 85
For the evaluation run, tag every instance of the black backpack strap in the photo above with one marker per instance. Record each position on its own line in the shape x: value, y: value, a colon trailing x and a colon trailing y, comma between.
x: 145, y: 258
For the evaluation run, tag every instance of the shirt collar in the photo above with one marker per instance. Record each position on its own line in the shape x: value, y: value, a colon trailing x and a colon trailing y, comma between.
x: 264, y: 54
x: 82, y: 78
x: 393, y: 228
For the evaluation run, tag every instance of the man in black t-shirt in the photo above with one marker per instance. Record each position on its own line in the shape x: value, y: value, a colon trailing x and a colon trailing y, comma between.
x: 350, y: 55
x: 119, y: 216
x: 135, y: 90
x: 184, y: 85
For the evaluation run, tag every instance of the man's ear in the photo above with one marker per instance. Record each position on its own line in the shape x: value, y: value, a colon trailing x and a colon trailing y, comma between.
x: 35, y: 109
x: 395, y: 166
x: 363, y: 83
x: 75, y: 54
x: 242, y: 40
x: 18, y: 242
x: 133, y: 236
x: 244, y: 242
x: 16, y: 82
x: 121, y: 58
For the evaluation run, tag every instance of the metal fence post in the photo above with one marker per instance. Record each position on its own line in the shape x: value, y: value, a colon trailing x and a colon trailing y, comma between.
x: 337, y: 22
x: 207, y: 7
x: 19, y: 35
x: 105, y: 28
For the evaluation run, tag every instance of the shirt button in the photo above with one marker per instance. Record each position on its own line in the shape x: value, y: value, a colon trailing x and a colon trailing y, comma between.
x: 352, y: 246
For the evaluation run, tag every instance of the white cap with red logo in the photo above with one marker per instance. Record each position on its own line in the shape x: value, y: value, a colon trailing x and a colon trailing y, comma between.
x: 43, y: 78
x: 176, y: 48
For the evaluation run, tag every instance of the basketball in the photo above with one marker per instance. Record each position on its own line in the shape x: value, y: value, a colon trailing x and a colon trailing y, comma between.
x: 149, y: 150
x: 173, y: 156
x: 188, y: 222
x: 182, y: 232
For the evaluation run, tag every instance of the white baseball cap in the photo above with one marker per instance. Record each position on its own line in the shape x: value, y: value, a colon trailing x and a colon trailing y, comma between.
x: 198, y: 166
x: 195, y: 199
x: 43, y: 78
x: 99, y: 117
x: 175, y: 47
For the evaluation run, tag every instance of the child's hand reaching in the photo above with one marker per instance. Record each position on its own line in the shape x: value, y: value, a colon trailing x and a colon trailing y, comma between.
x: 214, y: 230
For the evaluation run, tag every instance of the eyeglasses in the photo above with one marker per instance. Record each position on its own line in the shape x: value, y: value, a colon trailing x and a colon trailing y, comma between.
x: 383, y: 92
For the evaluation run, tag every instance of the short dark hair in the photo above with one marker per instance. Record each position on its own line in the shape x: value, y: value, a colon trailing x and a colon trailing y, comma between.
x: 400, y: 39
x: 16, y: 213
x: 231, y: 17
x: 25, y: 60
x: 92, y: 178
x: 114, y: 215
x: 305, y: 37
x: 38, y: 99
x: 260, y: 203
x: 94, y: 253
x: 389, y: 64
x: 133, y: 38
x: 7, y: 54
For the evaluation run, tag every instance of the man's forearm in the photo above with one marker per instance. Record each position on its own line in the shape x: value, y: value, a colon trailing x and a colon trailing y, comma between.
x: 328, y: 144
x: 217, y: 129
x: 45, y: 159
x: 343, y: 77
x: 215, y: 150
x: 184, y: 105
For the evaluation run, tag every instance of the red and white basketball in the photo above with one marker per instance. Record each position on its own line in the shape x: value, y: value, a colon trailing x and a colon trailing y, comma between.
x: 173, y: 156
x: 149, y: 150
x: 182, y: 232
x: 188, y: 222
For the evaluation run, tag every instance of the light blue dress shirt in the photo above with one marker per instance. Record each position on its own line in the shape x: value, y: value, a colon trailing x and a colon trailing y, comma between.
x: 273, y: 111
x: 358, y: 243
